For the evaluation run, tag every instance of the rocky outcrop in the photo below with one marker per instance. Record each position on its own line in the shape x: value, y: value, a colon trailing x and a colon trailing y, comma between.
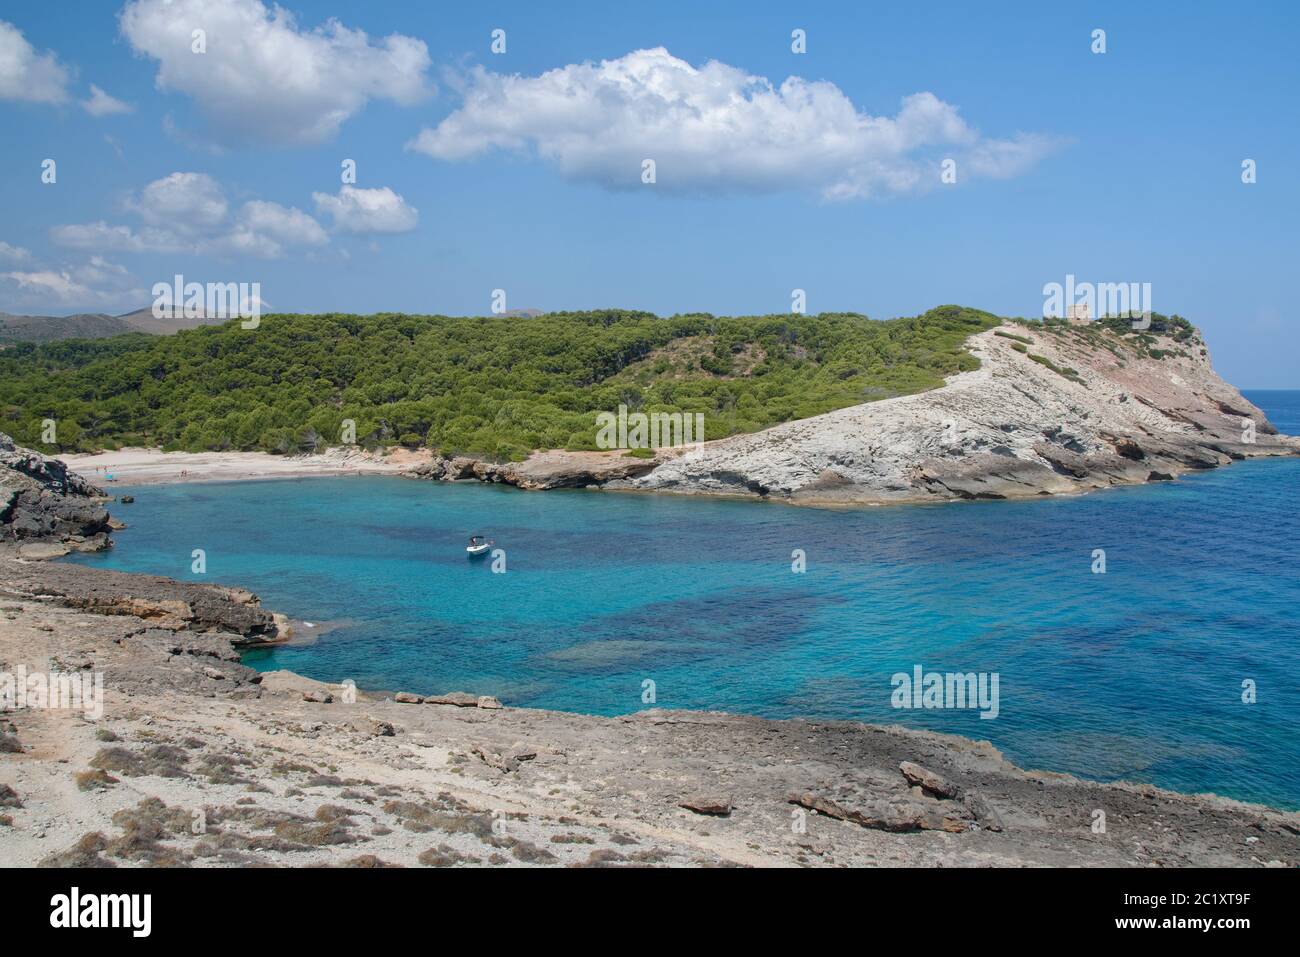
x: 164, y: 603
x: 46, y: 509
x: 1051, y: 410
x: 556, y: 468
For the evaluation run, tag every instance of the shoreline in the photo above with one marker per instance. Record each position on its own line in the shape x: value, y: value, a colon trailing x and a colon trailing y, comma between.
x: 291, y: 636
x: 293, y: 771
x: 134, y: 466
x: 1012, y: 429
x: 139, y: 467
x: 289, y: 771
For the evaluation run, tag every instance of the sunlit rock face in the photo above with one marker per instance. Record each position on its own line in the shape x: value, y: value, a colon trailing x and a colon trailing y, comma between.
x: 1051, y: 410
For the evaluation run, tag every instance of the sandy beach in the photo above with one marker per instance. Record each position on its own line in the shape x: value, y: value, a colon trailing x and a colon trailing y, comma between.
x: 141, y: 466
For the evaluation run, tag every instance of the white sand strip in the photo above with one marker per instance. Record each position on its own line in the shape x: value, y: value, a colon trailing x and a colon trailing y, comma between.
x: 138, y: 466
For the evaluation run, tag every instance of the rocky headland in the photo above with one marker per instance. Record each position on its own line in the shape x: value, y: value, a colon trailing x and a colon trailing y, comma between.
x: 1053, y: 409
x: 194, y: 759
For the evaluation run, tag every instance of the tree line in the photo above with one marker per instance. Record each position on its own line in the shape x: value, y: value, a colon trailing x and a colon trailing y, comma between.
x: 492, y: 386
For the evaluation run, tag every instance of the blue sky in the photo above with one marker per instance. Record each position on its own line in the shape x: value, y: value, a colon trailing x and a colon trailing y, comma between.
x: 1115, y: 167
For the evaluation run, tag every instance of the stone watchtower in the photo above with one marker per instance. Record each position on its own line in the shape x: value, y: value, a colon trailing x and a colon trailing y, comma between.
x: 1078, y: 315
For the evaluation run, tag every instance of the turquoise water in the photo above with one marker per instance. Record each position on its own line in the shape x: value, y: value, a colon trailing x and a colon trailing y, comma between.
x: 1136, y: 673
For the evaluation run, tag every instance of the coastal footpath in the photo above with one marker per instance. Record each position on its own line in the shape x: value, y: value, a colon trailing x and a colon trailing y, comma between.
x: 190, y: 758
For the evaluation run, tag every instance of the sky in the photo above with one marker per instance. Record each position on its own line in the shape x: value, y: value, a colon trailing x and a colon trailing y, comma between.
x: 773, y: 170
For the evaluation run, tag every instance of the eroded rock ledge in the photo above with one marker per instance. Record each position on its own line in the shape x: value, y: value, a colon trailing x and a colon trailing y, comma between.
x: 542, y: 470
x: 162, y: 603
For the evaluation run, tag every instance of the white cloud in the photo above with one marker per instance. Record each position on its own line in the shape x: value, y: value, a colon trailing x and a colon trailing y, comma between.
x: 716, y: 127
x: 368, y: 210
x: 27, y: 75
x: 102, y: 104
x: 1002, y: 159
x: 100, y: 235
x: 189, y: 212
x: 59, y: 286
x: 264, y: 229
x: 264, y: 78
x: 13, y: 254
x: 98, y: 271
x: 188, y: 203
x: 95, y: 283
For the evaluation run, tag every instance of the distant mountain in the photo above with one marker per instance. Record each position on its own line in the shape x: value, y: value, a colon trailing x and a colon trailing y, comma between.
x: 143, y: 320
x: 48, y: 328
x: 92, y: 325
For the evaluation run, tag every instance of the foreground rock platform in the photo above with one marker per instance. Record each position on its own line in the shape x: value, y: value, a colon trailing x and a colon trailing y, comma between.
x: 198, y: 760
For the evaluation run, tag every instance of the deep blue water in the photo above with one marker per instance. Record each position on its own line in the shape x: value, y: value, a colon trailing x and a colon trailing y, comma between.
x: 1136, y: 673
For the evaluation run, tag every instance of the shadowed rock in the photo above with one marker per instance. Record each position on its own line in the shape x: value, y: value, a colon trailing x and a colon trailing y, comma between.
x: 41, y: 501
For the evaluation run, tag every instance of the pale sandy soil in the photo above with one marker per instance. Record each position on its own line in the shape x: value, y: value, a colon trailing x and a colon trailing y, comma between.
x: 138, y: 466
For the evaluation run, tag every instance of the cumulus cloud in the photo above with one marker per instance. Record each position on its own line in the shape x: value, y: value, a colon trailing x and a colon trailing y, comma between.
x: 13, y: 254
x: 189, y: 212
x: 367, y: 210
x: 91, y: 284
x: 188, y: 203
x: 717, y: 127
x: 264, y: 229
x: 27, y: 75
x: 57, y: 285
x: 102, y: 104
x: 100, y: 235
x: 263, y: 77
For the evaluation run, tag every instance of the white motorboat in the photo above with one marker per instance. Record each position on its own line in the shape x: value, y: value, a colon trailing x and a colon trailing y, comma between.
x: 478, y: 545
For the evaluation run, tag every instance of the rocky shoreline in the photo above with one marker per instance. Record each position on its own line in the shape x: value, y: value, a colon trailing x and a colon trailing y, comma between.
x: 197, y: 760
x: 284, y: 770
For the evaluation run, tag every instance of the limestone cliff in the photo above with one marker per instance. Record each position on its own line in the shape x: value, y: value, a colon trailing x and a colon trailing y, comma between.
x: 1052, y: 409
